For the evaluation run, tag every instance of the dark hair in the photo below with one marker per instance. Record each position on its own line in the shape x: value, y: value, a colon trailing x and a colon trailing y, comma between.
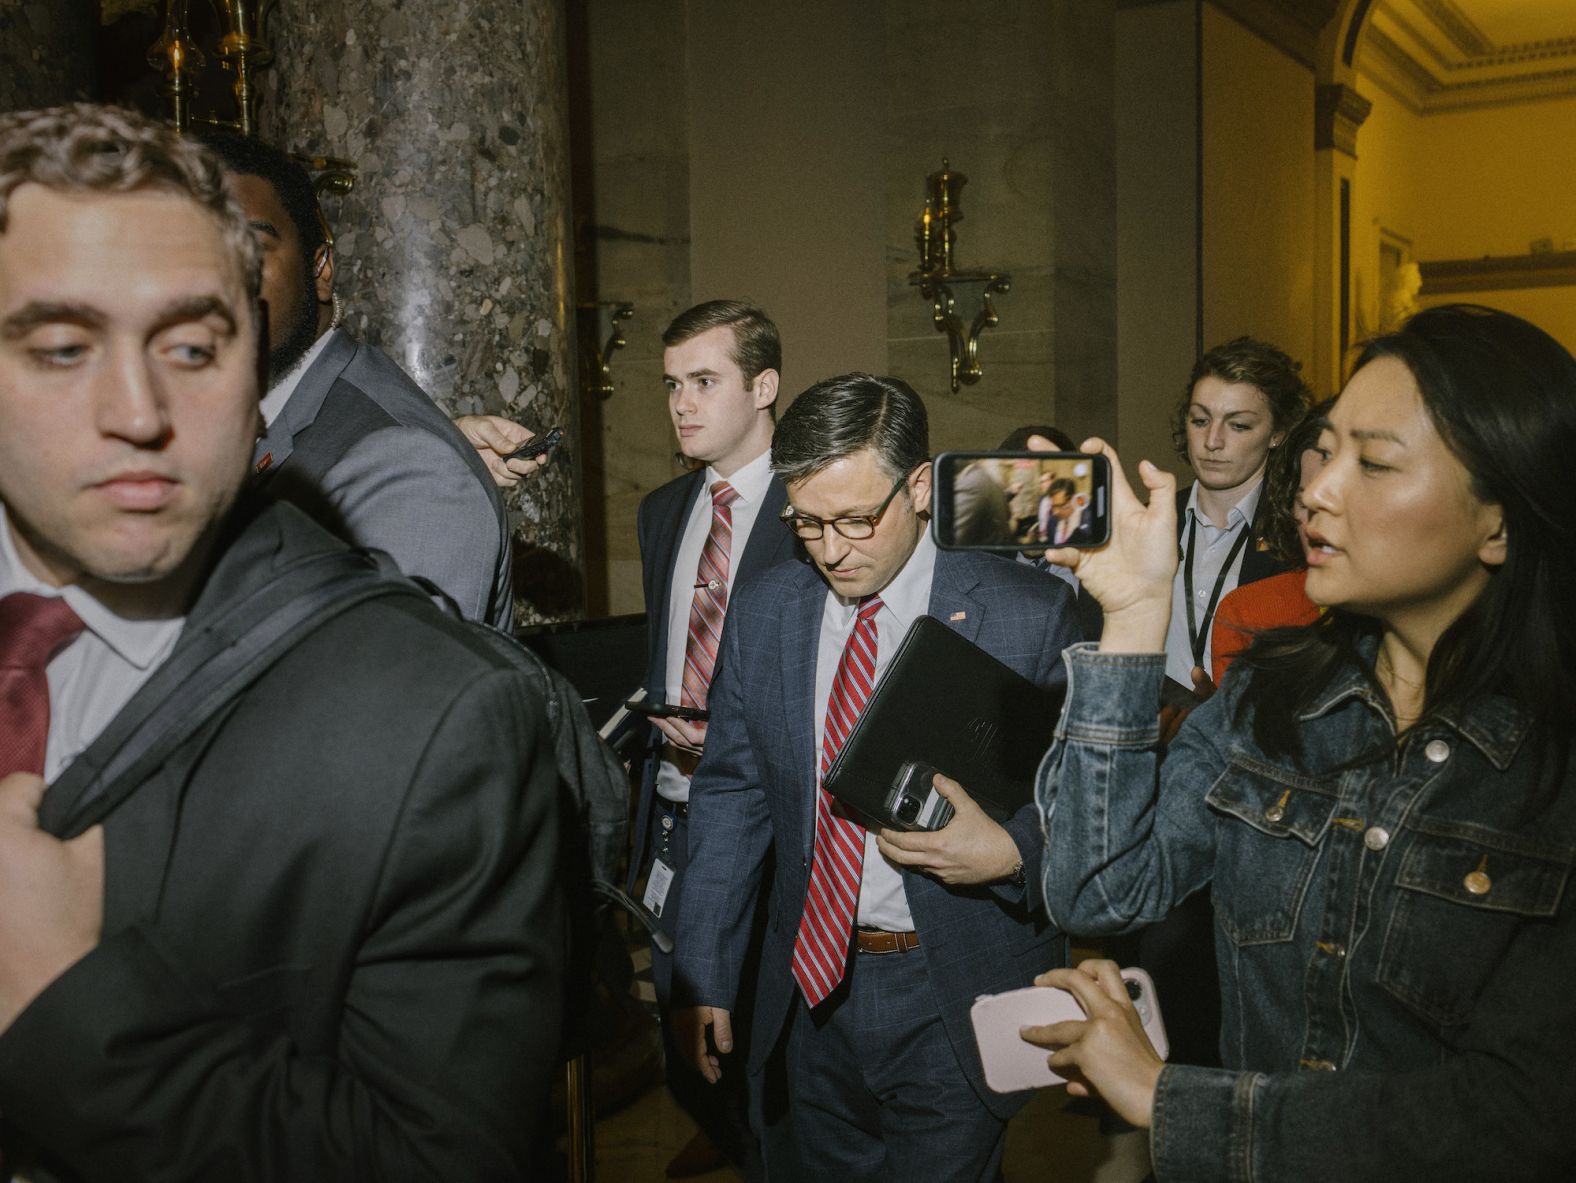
x: 840, y: 416
x: 1282, y: 480
x: 1502, y: 394
x: 1018, y: 439
x: 756, y: 345
x: 1258, y: 364
x: 248, y: 157
x: 1063, y: 486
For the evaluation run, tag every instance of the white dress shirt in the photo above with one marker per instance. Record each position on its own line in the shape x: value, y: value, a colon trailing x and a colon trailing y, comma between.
x: 752, y: 482
x: 91, y: 678
x: 1214, y: 545
x: 882, y: 903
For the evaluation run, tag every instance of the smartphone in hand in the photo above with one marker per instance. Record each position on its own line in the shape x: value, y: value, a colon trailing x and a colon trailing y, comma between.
x: 537, y: 446
x: 1012, y: 1063
x: 1021, y: 501
x: 667, y: 710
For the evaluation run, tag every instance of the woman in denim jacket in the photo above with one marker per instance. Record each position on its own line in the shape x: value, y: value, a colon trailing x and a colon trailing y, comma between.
x: 1381, y: 804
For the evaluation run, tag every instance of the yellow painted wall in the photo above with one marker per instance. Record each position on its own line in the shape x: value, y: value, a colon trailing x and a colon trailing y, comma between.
x: 1258, y: 187
x: 1465, y: 184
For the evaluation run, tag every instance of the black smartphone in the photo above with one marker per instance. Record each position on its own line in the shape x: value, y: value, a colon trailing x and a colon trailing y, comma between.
x: 914, y: 802
x: 667, y: 710
x: 1020, y: 501
x: 533, y: 448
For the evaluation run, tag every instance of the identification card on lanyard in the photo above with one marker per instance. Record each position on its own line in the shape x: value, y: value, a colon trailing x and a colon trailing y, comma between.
x: 1198, y: 636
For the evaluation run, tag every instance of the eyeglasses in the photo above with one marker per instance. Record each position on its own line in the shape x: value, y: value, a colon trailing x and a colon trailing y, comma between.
x: 852, y: 528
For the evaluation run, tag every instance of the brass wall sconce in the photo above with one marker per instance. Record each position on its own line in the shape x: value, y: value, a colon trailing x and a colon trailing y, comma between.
x: 937, y: 279
x: 603, y: 316
x: 241, y: 51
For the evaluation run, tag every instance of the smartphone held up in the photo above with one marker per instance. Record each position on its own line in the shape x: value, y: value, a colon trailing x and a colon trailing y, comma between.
x: 1021, y: 501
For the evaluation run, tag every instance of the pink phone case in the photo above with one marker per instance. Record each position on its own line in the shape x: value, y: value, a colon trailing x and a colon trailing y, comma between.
x: 1011, y: 1063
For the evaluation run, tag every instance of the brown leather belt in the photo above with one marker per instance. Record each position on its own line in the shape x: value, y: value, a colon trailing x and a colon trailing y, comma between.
x: 874, y: 940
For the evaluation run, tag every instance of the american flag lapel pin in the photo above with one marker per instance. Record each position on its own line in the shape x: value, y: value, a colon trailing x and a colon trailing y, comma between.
x: 262, y: 465
x: 957, y: 616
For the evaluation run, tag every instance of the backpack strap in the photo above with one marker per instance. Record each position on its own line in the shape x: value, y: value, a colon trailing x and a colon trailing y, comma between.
x: 211, y: 665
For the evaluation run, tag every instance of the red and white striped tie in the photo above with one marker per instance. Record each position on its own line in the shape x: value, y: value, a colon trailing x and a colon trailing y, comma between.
x: 711, y: 599
x: 820, y: 952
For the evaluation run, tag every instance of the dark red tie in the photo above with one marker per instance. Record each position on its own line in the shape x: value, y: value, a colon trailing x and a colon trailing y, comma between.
x: 32, y: 630
x: 820, y: 952
x: 711, y: 598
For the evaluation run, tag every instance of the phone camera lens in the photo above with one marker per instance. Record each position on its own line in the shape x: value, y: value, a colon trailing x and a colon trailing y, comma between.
x: 908, y: 808
x: 1134, y: 990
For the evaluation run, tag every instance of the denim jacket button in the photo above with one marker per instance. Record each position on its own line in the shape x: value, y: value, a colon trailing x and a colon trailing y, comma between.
x: 1477, y: 883
x: 1437, y: 750
x: 1376, y: 838
x: 1274, y: 814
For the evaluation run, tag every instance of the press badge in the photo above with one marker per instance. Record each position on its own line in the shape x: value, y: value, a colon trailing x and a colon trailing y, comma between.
x: 658, y: 883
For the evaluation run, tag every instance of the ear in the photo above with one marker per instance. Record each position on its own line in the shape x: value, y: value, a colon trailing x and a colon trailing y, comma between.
x: 1496, y: 546
x: 765, y: 389
x: 919, y: 488
x: 323, y: 273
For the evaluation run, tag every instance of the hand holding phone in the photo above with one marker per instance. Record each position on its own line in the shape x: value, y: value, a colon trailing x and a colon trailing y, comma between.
x: 1012, y: 1063
x: 539, y: 446
x: 667, y: 710
x: 1021, y: 501
x: 914, y: 802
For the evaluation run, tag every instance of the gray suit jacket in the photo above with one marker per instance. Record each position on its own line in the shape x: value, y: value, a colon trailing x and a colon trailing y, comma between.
x: 362, y: 449
x: 755, y: 788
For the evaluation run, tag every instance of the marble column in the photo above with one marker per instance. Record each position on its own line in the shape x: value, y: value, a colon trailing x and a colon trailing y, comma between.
x: 453, y: 247
x: 46, y: 53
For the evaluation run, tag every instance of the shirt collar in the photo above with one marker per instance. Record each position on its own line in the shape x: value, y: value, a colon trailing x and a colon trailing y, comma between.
x: 907, y: 597
x: 750, y: 482
x: 279, y: 393
x: 1247, y: 505
x: 1495, y: 725
x: 140, y: 641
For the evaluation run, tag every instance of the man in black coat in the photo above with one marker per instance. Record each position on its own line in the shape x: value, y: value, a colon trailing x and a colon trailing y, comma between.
x: 703, y: 536
x: 319, y: 937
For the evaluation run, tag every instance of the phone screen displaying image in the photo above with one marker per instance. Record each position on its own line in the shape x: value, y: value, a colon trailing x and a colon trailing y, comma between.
x: 1017, y: 501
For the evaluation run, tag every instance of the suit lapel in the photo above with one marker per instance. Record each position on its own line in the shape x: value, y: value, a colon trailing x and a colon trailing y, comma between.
x: 667, y: 532
x: 951, y: 598
x: 248, y: 552
x: 801, y: 640
x: 769, y: 542
x: 304, y: 403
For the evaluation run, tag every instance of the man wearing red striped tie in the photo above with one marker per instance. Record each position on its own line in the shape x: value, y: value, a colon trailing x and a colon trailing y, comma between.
x: 876, y: 942
x: 702, y: 536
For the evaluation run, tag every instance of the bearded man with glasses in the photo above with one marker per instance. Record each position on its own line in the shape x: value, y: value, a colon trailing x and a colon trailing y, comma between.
x: 877, y: 941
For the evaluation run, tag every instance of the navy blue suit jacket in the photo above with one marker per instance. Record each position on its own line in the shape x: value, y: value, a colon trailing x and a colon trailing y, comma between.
x: 659, y: 525
x: 756, y: 786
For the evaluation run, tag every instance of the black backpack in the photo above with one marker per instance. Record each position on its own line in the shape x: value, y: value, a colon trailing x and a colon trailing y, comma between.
x: 213, y: 664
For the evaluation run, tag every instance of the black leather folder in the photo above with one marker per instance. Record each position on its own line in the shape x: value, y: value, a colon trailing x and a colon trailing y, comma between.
x: 946, y: 702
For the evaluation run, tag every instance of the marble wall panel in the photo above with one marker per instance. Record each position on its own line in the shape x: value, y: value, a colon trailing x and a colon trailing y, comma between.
x: 1157, y: 200
x: 1014, y: 391
x: 1018, y: 97
x: 453, y: 248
